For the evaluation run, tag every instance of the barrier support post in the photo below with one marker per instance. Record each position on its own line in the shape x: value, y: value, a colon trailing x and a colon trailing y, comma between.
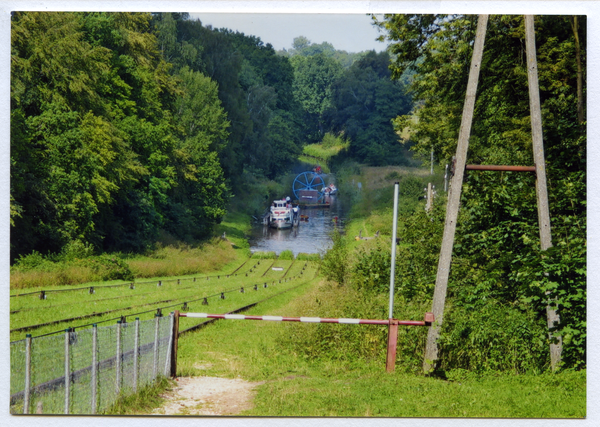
x: 175, y: 344
x: 392, y: 345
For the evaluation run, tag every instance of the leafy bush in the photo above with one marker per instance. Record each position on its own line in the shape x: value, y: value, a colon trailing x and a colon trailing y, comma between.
x: 393, y: 176
x: 329, y: 147
x: 335, y: 261
x: 110, y: 268
x: 371, y: 271
x: 76, y: 249
x: 496, y: 337
x: 286, y: 255
x: 412, y: 186
x: 29, y: 262
x: 308, y: 257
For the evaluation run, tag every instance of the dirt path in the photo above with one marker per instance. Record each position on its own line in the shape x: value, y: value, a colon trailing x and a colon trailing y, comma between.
x: 208, y: 396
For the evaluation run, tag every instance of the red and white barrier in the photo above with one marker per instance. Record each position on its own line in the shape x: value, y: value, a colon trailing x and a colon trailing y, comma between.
x: 427, y: 322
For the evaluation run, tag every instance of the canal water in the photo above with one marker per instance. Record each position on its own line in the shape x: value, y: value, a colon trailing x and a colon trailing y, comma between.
x: 311, y: 236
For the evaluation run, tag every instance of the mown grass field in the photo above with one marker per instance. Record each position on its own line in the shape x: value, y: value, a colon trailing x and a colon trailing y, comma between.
x: 146, y: 296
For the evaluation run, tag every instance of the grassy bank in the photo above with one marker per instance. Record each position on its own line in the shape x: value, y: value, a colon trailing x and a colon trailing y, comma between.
x: 77, y: 265
x: 328, y: 148
x: 299, y: 384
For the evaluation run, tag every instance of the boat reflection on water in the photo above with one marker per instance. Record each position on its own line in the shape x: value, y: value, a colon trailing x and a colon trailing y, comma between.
x: 312, y: 235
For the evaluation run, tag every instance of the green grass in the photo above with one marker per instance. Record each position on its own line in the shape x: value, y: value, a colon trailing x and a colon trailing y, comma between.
x: 320, y: 152
x: 313, y: 160
x: 169, y: 258
x: 367, y: 391
x: 296, y: 385
x: 143, y: 401
x: 147, y: 297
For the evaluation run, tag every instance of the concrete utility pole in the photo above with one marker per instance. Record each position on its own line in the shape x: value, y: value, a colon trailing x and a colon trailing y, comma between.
x: 429, y: 203
x: 441, y: 283
x: 540, y: 184
x: 431, y: 171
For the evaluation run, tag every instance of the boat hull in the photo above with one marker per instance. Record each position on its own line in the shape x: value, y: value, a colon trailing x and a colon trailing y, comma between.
x: 280, y: 224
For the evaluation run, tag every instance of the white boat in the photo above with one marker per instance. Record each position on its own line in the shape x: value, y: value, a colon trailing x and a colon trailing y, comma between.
x: 330, y: 190
x: 283, y: 214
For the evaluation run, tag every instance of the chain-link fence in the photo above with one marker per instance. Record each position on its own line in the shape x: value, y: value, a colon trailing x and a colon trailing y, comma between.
x: 84, y: 372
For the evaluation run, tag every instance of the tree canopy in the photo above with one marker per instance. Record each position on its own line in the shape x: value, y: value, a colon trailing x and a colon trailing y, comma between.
x: 99, y: 152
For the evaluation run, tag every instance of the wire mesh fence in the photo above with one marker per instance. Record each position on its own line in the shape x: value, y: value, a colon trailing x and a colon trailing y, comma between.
x: 86, y: 371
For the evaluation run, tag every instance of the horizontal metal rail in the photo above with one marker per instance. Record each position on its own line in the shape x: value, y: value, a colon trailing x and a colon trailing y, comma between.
x: 237, y: 310
x: 183, y: 300
x: 500, y: 168
x: 129, y: 283
x: 426, y: 322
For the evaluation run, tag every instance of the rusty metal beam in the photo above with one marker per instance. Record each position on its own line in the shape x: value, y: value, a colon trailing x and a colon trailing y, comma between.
x: 500, y: 168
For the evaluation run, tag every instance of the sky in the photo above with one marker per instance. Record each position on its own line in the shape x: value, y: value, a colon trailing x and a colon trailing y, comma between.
x: 349, y: 32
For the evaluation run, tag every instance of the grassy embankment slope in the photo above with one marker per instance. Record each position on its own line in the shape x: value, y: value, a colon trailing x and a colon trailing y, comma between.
x: 169, y: 258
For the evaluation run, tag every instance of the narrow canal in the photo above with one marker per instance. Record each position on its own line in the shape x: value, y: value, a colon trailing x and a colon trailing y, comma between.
x: 311, y: 236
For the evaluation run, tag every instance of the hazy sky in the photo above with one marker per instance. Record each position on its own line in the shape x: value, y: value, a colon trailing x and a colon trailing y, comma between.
x: 349, y: 32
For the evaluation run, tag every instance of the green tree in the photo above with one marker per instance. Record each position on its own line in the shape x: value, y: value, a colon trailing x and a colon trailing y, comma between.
x: 68, y: 160
x: 497, y: 264
x: 365, y: 100
x: 107, y: 146
x: 313, y: 80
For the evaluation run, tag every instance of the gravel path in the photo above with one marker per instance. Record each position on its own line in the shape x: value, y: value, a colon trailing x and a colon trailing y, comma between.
x: 208, y: 396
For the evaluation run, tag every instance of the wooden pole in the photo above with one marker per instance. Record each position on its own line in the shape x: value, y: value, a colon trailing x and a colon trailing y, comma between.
x: 441, y: 282
x: 175, y: 344
x: 540, y: 185
x: 390, y: 363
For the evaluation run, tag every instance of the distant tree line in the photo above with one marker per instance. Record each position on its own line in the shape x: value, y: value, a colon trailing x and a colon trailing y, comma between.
x: 124, y: 125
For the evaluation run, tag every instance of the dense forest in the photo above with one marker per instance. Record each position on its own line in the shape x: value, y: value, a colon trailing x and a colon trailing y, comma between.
x: 128, y: 125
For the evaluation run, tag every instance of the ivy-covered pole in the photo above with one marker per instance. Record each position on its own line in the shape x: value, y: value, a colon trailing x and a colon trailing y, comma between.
x: 540, y: 184
x: 443, y: 271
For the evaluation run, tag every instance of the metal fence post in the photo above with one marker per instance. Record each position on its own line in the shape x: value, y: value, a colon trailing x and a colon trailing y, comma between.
x: 67, y: 372
x: 155, y: 361
x: 118, y: 364
x: 94, y: 368
x: 394, y: 233
x: 136, y: 349
x: 27, y: 374
x: 168, y: 358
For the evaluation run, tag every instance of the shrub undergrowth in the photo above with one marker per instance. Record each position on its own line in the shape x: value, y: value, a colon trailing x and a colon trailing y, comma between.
x: 490, y: 325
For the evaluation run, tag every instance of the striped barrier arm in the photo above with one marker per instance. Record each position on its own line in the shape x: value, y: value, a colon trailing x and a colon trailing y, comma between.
x: 426, y: 322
